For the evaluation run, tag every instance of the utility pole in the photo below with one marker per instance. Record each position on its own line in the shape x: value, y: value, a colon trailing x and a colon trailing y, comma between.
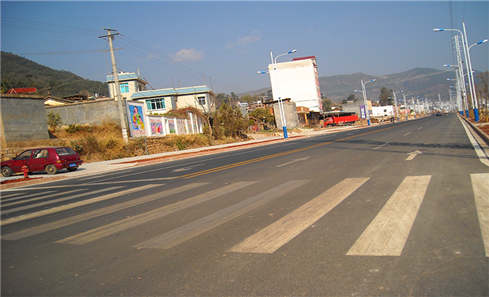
x: 118, y: 97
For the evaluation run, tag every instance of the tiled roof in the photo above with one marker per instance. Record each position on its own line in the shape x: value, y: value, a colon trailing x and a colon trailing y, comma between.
x: 171, y: 91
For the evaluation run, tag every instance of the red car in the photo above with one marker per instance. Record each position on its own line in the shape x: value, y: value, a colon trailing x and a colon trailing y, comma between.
x: 48, y: 159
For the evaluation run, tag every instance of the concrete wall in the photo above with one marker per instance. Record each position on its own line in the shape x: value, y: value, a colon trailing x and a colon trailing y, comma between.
x: 92, y: 112
x: 22, y: 118
x: 290, y: 115
x: 352, y: 107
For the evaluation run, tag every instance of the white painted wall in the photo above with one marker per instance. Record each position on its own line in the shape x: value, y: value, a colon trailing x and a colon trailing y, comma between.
x: 383, y: 111
x: 297, y: 80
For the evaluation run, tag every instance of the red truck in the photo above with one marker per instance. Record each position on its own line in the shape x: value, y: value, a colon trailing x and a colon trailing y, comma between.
x: 340, y: 118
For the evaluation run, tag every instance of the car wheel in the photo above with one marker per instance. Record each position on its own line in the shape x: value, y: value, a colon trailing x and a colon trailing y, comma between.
x: 72, y: 168
x: 51, y: 169
x: 6, y: 171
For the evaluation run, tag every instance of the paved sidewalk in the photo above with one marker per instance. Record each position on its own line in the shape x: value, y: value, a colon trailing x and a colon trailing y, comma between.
x: 93, y: 168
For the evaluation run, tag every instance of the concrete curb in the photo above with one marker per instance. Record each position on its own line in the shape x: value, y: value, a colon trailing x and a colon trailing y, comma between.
x: 481, y: 133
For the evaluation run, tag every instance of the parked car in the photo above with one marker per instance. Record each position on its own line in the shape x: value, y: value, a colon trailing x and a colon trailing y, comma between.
x: 48, y: 159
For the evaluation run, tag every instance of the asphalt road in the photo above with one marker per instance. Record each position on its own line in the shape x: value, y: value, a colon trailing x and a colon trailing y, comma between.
x: 399, y: 209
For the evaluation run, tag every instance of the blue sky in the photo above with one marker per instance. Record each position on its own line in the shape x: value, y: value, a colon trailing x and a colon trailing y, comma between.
x: 223, y: 44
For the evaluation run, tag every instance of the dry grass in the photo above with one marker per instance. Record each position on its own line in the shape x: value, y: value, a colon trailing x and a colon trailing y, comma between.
x: 104, y: 142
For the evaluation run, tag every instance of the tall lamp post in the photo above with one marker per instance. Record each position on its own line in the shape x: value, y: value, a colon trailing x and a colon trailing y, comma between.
x: 364, y: 92
x: 468, y: 65
x: 475, y: 103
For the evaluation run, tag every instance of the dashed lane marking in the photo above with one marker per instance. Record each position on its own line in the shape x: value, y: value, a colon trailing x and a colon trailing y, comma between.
x: 293, y: 161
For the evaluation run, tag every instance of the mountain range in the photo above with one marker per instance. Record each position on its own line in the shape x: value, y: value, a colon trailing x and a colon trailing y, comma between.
x: 19, y: 72
x: 423, y: 82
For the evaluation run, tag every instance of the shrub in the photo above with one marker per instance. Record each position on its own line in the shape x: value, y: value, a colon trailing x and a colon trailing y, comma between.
x: 72, y: 128
x: 54, y: 121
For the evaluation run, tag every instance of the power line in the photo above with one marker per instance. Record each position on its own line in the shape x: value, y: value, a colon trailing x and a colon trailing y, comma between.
x: 70, y: 52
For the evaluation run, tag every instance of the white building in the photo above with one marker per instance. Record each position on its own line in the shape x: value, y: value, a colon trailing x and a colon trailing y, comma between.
x: 297, y: 80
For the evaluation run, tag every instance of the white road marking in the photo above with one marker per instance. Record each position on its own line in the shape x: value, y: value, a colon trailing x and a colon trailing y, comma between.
x: 382, y: 145
x: 413, y: 155
x: 419, y: 128
x: 71, y: 205
x: 387, y: 233
x: 195, y: 228
x: 407, y: 133
x: 293, y: 161
x: 54, y: 201
x: 476, y: 144
x: 98, y: 212
x: 480, y: 185
x: 16, y: 197
x: 127, y: 223
x: 271, y: 238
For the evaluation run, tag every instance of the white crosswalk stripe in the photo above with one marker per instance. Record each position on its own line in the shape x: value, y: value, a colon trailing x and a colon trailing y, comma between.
x: 131, y: 222
x: 71, y: 205
x: 54, y: 201
x: 195, y: 228
x: 282, y: 231
x: 385, y: 235
x: 388, y: 232
x: 38, y: 229
x: 21, y: 196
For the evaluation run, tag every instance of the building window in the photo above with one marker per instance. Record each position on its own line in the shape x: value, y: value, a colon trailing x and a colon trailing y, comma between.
x: 156, y: 104
x: 201, y: 100
x: 125, y: 88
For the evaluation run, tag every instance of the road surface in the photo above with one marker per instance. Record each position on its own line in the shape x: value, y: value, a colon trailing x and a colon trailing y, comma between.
x: 399, y: 209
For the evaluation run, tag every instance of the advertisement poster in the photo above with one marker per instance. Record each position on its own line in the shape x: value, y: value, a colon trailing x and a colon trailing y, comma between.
x: 362, y: 112
x: 136, y: 119
x: 156, y: 127
x: 181, y: 130
x: 171, y: 126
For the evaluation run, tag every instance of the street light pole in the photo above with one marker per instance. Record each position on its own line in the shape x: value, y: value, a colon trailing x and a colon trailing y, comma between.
x: 395, y: 104
x: 364, y: 92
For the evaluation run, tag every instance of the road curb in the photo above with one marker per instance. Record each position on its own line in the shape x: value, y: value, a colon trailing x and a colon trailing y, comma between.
x: 481, y: 133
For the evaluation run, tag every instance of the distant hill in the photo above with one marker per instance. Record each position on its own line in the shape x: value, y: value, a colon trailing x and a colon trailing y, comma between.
x: 19, y: 72
x: 423, y: 82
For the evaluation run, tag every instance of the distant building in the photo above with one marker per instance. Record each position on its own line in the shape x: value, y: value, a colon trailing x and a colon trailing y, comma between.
x: 297, y: 80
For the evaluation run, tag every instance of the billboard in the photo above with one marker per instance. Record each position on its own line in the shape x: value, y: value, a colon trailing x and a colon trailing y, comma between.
x: 136, y: 119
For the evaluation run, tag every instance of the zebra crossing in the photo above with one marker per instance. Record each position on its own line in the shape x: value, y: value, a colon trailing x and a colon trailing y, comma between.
x: 385, y: 235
